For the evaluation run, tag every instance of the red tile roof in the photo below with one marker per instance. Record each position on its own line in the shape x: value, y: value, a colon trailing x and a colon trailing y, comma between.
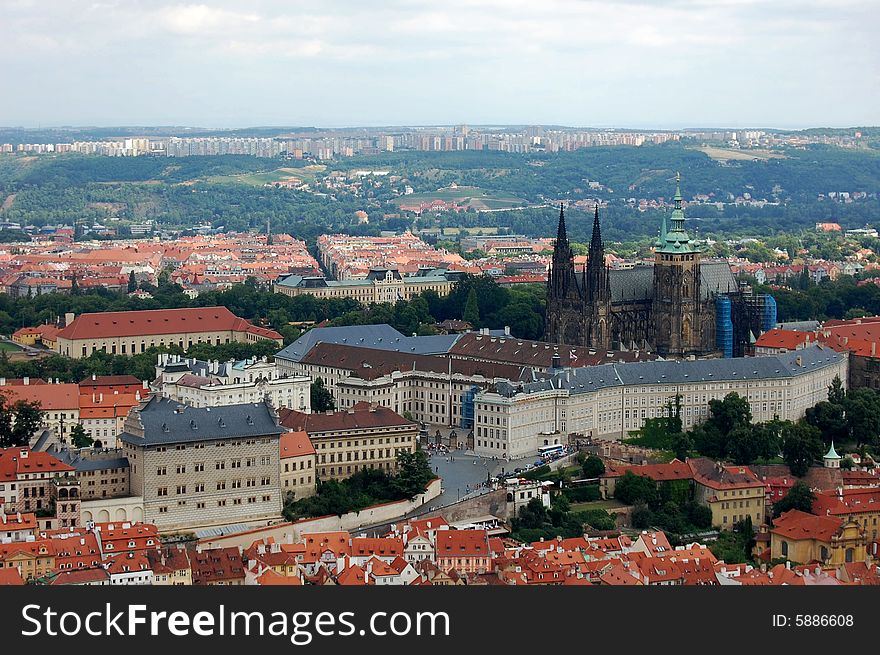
x: 81, y: 576
x: 709, y: 474
x: 13, y: 464
x: 296, y: 444
x: 462, y: 543
x: 361, y: 415
x: 788, y: 339
x: 674, y: 470
x: 10, y: 577
x: 160, y: 321
x: 51, y: 397
x: 847, y: 501
x: 217, y: 565
x: 797, y: 525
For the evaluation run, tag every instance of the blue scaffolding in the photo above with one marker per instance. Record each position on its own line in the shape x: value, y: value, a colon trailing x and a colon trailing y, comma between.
x: 467, y: 408
x: 768, y: 316
x: 723, y: 326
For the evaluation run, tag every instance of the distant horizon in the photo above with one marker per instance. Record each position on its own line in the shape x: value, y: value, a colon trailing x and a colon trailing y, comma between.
x: 683, y: 127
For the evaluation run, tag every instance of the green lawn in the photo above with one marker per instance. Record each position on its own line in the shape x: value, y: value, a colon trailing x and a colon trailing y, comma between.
x: 8, y: 346
x: 596, y: 504
x: 306, y: 174
x: 467, y: 196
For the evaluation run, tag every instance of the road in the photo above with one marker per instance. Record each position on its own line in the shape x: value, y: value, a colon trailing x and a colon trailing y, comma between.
x: 464, y: 472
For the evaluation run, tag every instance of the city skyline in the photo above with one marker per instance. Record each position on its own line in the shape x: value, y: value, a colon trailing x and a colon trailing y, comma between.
x: 663, y: 65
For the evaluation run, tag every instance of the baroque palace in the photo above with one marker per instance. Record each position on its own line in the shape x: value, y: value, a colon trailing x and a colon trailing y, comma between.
x: 678, y: 306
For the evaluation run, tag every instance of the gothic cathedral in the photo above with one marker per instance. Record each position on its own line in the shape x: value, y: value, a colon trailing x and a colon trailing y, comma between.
x: 668, y: 307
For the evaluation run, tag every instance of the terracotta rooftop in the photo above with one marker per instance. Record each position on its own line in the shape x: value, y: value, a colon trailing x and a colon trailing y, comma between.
x: 797, y: 525
x: 361, y: 415
x: 296, y: 444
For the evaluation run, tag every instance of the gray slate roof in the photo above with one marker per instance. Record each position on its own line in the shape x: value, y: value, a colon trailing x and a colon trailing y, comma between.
x: 638, y: 283
x: 168, y: 421
x: 800, y: 326
x: 583, y: 380
x: 380, y: 337
x: 80, y: 463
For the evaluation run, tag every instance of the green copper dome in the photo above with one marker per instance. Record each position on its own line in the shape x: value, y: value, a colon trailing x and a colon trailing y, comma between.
x: 675, y: 241
x: 832, y: 454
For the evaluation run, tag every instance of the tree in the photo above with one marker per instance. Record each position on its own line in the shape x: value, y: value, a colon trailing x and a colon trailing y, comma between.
x: 132, y: 283
x: 560, y: 503
x: 19, y: 422
x: 862, y: 412
x: 641, y: 516
x: 829, y: 419
x: 593, y: 467
x: 732, y: 411
x: 709, y: 442
x: 631, y: 489
x: 79, y: 438
x: 321, y: 398
x: 682, y: 443
x: 413, y: 473
x: 471, y: 312
x: 801, y: 446
x: 798, y: 497
x: 532, y: 515
x: 836, y: 393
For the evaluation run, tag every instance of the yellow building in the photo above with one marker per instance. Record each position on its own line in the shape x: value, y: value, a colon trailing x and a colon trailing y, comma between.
x: 26, y: 336
x: 365, y: 436
x: 33, y: 559
x: 170, y: 566
x: 805, y: 538
x: 297, y: 466
x: 380, y: 285
x: 732, y: 493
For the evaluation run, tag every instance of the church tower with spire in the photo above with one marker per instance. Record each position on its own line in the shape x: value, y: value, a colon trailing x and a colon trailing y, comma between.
x: 597, y: 288
x: 677, y: 306
x: 564, y: 320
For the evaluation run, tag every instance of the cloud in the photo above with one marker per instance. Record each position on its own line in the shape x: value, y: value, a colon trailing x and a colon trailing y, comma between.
x: 574, y: 61
x: 203, y: 20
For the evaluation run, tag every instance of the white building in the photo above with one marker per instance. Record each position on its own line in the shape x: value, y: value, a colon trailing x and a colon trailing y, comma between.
x: 213, y: 384
x: 609, y: 401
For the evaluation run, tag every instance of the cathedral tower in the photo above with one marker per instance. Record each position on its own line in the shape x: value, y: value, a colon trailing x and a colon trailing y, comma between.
x: 597, y: 292
x: 677, y: 305
x: 564, y: 322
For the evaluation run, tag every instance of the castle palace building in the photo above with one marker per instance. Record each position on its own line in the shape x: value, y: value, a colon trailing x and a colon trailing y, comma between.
x: 679, y: 306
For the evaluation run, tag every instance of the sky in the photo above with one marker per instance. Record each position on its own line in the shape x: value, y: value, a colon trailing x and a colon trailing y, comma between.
x: 662, y: 64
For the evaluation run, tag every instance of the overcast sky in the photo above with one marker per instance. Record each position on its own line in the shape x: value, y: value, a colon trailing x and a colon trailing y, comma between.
x: 663, y: 63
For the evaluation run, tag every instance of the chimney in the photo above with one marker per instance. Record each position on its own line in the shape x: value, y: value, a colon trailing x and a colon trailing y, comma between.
x: 68, y: 318
x: 2, y: 382
x: 26, y: 381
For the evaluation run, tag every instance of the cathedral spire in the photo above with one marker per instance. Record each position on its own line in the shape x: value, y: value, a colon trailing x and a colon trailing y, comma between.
x: 561, y: 234
x: 596, y: 244
x: 675, y: 239
x: 561, y: 274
